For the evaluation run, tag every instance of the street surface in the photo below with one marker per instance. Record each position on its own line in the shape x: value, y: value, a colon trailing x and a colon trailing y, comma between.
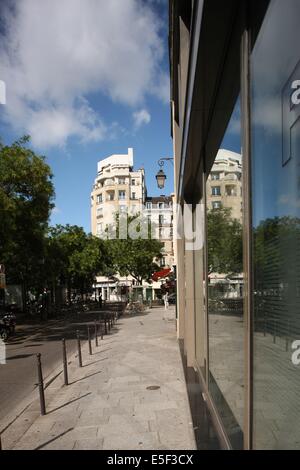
x: 130, y: 394
x: 18, y: 377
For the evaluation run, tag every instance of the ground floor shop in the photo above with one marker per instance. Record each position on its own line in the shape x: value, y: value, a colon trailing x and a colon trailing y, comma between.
x: 235, y: 78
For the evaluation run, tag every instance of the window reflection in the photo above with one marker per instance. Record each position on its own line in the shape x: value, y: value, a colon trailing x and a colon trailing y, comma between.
x: 225, y: 284
x: 276, y: 230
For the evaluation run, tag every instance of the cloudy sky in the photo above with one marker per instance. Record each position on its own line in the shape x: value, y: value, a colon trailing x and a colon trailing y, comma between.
x: 86, y: 79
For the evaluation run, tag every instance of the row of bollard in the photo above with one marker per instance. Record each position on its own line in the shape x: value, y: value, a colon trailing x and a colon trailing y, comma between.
x: 108, y: 324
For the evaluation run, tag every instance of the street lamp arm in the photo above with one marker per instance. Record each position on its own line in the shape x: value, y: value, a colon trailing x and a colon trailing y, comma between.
x: 162, y: 161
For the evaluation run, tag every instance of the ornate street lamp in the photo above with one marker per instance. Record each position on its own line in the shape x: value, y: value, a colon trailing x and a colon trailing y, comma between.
x: 161, y: 176
x: 161, y: 179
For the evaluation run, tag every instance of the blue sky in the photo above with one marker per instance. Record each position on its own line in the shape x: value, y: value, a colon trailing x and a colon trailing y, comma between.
x: 86, y: 82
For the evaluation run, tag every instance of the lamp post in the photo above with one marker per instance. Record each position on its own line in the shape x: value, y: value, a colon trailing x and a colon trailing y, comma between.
x: 161, y: 176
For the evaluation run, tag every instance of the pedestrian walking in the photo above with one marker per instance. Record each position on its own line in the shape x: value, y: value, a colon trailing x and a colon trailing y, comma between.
x: 166, y: 299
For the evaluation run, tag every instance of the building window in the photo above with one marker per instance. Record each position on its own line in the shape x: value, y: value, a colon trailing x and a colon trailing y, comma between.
x: 161, y: 205
x: 215, y: 176
x: 161, y: 219
x: 99, y: 198
x: 133, y: 196
x: 110, y: 196
x: 132, y: 182
x: 99, y: 229
x: 123, y: 208
x: 217, y: 205
x: 148, y: 205
x: 231, y: 191
x: 121, y: 181
x: 122, y: 195
x: 100, y: 212
x: 216, y: 191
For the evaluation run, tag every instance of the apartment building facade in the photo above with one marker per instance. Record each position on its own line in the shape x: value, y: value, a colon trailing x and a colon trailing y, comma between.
x: 117, y: 187
x: 224, y: 184
x: 159, y: 210
x: 236, y: 62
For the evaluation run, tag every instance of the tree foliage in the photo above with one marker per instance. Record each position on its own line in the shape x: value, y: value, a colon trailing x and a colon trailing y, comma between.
x: 225, y: 246
x: 135, y: 255
x: 74, y: 258
x: 26, y: 200
x: 37, y: 256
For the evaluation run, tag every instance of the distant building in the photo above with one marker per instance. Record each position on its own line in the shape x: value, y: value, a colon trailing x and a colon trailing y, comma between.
x: 224, y: 184
x: 160, y: 209
x: 117, y: 187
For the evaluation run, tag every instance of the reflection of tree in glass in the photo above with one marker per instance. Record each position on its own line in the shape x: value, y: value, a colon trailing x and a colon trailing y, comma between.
x: 225, y: 246
x: 277, y: 275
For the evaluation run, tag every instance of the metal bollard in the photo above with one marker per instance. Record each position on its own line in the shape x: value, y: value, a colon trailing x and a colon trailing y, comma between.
x: 96, y: 334
x: 105, y: 327
x: 65, y: 361
x: 41, y: 384
x: 89, y: 340
x: 79, y: 349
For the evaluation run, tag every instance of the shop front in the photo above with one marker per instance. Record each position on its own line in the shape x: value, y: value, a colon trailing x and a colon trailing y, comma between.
x: 235, y: 81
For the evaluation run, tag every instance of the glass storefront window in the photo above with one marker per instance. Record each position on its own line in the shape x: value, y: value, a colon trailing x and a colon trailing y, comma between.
x: 200, y: 295
x: 225, y: 285
x: 275, y: 72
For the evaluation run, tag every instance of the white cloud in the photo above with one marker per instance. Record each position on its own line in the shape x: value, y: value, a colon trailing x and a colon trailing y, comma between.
x: 57, y: 52
x: 141, y: 117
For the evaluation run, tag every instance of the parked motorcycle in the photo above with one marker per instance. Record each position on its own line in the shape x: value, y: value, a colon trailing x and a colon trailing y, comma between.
x: 4, y: 331
x: 9, y: 319
x: 7, y: 326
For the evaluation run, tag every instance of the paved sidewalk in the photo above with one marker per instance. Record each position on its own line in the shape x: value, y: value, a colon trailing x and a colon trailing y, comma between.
x: 130, y: 394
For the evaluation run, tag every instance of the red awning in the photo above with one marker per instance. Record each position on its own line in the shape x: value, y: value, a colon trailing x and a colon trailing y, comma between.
x: 161, y: 274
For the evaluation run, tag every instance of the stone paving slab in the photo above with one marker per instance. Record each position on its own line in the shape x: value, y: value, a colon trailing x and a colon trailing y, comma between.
x: 130, y: 394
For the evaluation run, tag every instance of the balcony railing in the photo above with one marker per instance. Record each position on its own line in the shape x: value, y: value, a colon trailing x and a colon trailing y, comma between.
x: 109, y: 182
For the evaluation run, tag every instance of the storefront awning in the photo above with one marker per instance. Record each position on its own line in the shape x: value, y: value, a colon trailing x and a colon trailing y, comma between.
x: 161, y: 274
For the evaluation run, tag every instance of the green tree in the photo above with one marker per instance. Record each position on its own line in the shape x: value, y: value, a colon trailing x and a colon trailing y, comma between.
x: 74, y: 258
x: 225, y: 245
x: 135, y: 256
x: 26, y: 200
